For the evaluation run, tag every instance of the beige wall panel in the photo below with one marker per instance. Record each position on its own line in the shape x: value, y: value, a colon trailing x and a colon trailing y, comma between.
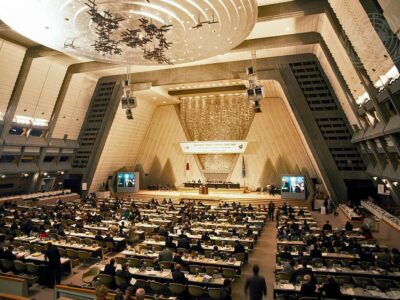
x: 340, y: 56
x: 75, y: 105
x: 11, y: 57
x: 41, y: 88
x: 274, y: 148
x: 161, y: 156
x: 123, y: 142
x: 366, y: 42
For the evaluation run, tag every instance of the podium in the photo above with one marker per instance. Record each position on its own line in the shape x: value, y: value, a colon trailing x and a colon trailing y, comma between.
x: 203, y: 190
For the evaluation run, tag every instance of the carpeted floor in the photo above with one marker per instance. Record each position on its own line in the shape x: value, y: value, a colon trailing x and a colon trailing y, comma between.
x: 264, y: 254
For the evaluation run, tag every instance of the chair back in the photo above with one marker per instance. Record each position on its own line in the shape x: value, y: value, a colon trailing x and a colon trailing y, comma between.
x: 120, y: 260
x: 8, y: 264
x: 157, y: 286
x: 105, y: 279
x: 176, y: 288
x: 214, y: 293
x: 196, y: 291
x: 135, y: 263
x: 148, y: 263
x: 19, y: 266
x: 120, y: 281
x: 229, y: 273
x: 32, y: 268
x: 240, y: 256
x: 211, y: 270
x: 166, y: 265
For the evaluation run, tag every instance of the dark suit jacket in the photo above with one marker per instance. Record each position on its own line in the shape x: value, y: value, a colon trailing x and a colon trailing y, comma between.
x: 307, y: 290
x: 179, y: 277
x: 124, y: 274
x: 178, y: 259
x: 53, y: 256
x: 109, y: 269
x: 256, y: 286
x: 239, y: 248
x: 8, y: 255
x: 184, y: 243
x: 332, y: 290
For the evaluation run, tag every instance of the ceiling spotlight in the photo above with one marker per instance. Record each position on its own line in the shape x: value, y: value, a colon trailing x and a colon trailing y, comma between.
x: 395, y: 183
x: 62, y: 172
x: 384, y: 180
x: 26, y: 174
x: 3, y: 176
x: 45, y: 173
x: 375, y: 178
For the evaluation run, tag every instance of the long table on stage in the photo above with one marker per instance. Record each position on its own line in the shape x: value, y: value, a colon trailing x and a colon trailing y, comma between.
x: 225, y: 185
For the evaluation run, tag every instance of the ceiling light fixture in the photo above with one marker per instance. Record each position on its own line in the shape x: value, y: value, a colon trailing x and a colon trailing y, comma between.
x: 132, y: 32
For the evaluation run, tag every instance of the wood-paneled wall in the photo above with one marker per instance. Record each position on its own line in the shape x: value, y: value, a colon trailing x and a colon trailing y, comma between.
x: 274, y: 148
x: 161, y: 156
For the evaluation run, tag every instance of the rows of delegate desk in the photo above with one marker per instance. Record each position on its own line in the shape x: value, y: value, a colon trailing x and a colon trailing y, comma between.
x: 358, y: 280
x: 79, y: 245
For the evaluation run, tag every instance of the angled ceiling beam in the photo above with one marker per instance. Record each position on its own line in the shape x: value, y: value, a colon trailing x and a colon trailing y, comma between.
x: 298, y: 39
x: 290, y: 9
x: 212, y: 90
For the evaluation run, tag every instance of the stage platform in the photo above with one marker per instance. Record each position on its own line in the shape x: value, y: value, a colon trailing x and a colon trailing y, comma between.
x: 216, y: 195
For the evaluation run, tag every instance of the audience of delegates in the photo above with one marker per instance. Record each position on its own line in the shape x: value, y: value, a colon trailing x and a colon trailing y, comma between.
x: 62, y: 219
x: 313, y: 248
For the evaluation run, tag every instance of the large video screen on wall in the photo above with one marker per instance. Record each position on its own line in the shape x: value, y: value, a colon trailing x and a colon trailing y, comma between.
x: 293, y: 187
x: 126, y: 182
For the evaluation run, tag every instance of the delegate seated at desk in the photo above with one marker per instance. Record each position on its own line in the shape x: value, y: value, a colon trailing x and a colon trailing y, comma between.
x: 178, y: 276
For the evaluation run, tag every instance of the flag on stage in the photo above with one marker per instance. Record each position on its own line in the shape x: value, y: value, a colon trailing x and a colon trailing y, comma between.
x: 243, y: 168
x: 187, y: 166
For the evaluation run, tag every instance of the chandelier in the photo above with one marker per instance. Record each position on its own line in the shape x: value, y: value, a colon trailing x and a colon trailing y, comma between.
x: 107, y: 26
x: 141, y: 32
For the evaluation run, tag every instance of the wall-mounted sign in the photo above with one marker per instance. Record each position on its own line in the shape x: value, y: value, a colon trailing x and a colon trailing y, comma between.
x: 213, y: 147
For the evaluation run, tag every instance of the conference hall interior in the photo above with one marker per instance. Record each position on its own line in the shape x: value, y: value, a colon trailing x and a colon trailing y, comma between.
x: 199, y: 149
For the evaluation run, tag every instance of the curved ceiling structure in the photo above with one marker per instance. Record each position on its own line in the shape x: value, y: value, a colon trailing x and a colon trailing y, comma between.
x: 126, y: 32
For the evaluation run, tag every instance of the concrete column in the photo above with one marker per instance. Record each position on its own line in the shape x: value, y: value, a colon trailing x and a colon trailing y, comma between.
x: 16, y: 93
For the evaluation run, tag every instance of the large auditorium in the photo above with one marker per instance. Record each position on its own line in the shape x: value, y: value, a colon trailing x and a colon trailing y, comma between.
x: 199, y: 149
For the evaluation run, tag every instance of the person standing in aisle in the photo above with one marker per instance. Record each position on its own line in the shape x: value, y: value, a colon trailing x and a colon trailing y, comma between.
x: 53, y: 259
x: 255, y: 286
x: 271, y: 210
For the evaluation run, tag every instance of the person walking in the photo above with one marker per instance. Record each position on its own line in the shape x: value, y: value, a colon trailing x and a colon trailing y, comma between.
x: 53, y: 259
x: 271, y: 210
x: 255, y: 286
